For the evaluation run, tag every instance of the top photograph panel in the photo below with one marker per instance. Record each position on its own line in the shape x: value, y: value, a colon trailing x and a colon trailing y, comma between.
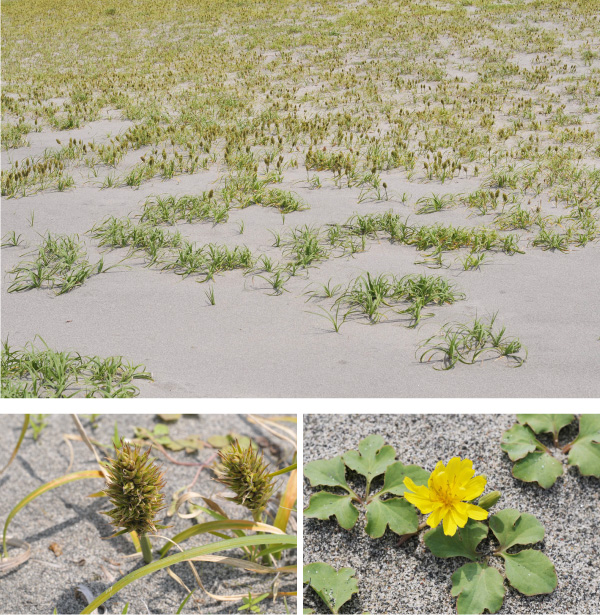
x: 293, y: 198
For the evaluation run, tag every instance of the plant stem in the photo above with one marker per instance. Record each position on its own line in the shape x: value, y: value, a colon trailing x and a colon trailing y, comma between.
x: 354, y: 495
x: 283, y: 470
x: 146, y: 548
x: 406, y: 537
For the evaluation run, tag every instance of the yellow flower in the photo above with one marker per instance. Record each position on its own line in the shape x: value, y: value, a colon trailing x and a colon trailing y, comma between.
x: 447, y: 488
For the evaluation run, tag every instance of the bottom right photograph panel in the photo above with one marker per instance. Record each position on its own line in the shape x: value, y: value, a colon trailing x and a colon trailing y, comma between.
x: 451, y: 513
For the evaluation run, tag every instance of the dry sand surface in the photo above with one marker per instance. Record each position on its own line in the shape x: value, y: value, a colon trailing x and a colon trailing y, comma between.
x: 408, y: 578
x: 251, y: 343
x: 67, y: 517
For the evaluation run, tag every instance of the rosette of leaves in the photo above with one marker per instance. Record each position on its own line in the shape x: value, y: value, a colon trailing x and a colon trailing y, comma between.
x: 372, y: 459
x: 334, y: 587
x: 536, y: 462
x: 479, y: 586
x: 245, y: 472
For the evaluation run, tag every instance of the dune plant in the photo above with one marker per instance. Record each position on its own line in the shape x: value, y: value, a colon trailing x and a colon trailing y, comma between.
x: 134, y: 486
x: 456, y: 526
x: 516, y: 143
x: 244, y: 471
x: 32, y: 371
x: 466, y: 344
x: 60, y: 262
x: 334, y: 587
x: 536, y: 462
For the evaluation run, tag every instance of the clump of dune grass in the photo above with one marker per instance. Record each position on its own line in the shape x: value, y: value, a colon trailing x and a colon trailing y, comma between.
x: 34, y: 371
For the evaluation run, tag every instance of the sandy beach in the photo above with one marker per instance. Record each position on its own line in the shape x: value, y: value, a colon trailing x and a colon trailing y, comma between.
x: 266, y: 335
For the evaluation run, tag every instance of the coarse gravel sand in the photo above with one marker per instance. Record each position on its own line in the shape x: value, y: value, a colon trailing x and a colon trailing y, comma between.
x: 408, y: 578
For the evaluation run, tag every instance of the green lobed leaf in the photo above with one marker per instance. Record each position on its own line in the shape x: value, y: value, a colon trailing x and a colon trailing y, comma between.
x: 585, y: 450
x: 372, y: 457
x: 540, y: 468
x: 398, y: 513
x: 530, y: 572
x: 478, y: 588
x: 396, y: 473
x: 546, y: 423
x: 161, y: 430
x: 463, y: 544
x: 329, y: 472
x: 218, y: 441
x: 323, y: 505
x: 518, y: 441
x: 335, y: 588
x: 512, y: 527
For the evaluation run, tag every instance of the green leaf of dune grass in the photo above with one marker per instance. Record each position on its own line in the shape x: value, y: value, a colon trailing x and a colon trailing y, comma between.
x: 323, y: 505
x: 395, y: 474
x: 190, y: 554
x: 463, y: 544
x: 328, y: 472
x: 478, y: 588
x: 335, y: 588
x: 214, y: 526
x: 585, y: 450
x: 57, y: 482
x: 530, y: 572
x: 398, y: 513
x: 512, y: 527
x: 371, y: 459
x: 546, y: 423
x: 540, y: 468
x: 519, y: 441
x: 18, y: 445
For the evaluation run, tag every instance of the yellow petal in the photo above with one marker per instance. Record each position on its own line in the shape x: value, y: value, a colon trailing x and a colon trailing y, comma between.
x: 453, y: 467
x: 436, y: 516
x: 459, y: 515
x: 476, y: 512
x: 466, y: 471
x: 409, y: 483
x: 449, y: 526
x: 439, y: 467
x: 474, y: 488
x: 424, y: 504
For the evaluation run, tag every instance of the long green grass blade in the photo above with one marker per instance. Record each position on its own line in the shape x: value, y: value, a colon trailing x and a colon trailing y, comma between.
x: 57, y: 482
x: 212, y: 526
x: 273, y: 549
x: 18, y: 446
x: 215, y: 547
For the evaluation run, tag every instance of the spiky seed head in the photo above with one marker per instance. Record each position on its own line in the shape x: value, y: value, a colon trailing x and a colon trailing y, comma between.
x: 134, y: 487
x: 245, y: 472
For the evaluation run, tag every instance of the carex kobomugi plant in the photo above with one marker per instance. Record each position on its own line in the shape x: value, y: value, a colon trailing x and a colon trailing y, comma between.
x: 134, y: 486
x: 246, y: 473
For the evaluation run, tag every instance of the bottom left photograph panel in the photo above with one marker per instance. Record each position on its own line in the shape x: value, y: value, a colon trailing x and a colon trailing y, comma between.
x: 161, y: 513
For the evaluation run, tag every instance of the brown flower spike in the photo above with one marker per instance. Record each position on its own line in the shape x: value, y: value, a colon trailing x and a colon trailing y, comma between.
x: 247, y: 475
x: 134, y: 487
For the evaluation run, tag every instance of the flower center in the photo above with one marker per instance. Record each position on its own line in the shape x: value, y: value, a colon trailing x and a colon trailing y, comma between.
x: 446, y: 494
